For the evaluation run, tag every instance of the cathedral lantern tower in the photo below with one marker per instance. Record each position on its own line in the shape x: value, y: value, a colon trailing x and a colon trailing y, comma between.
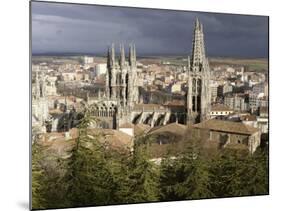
x: 198, y: 71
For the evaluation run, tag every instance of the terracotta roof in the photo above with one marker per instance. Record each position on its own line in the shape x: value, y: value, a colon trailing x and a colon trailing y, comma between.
x: 127, y: 125
x: 175, y: 128
x: 140, y: 128
x: 114, y: 138
x: 220, y: 107
x: 226, y: 126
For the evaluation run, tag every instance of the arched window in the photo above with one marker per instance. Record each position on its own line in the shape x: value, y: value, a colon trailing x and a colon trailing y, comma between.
x: 199, y: 84
x: 193, y: 85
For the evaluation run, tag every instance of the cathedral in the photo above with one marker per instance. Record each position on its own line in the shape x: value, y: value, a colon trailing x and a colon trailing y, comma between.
x: 40, y: 111
x: 120, y: 102
x: 199, y: 94
x: 121, y: 89
x: 121, y: 77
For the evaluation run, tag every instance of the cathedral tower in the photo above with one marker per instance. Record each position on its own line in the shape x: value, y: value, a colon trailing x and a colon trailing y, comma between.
x: 121, y: 77
x: 198, y: 95
x: 133, y: 90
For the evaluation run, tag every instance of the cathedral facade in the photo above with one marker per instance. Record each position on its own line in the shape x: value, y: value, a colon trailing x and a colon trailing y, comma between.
x: 40, y: 110
x: 114, y: 107
x: 121, y: 77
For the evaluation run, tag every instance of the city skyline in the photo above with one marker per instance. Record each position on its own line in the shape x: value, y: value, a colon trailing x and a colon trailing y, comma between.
x: 128, y: 128
x: 62, y: 28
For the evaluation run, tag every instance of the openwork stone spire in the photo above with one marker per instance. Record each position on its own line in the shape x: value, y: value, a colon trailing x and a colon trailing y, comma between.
x: 122, y: 55
x: 112, y: 53
x: 132, y: 55
x: 198, y: 47
x: 199, y: 96
x: 121, y: 77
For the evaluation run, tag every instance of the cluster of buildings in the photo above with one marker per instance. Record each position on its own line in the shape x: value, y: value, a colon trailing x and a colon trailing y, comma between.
x: 128, y: 98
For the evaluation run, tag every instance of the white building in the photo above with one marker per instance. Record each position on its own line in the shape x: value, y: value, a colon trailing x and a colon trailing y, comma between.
x: 220, y: 110
x: 68, y: 76
x: 230, y: 69
x: 177, y: 87
x: 100, y: 69
x: 88, y: 59
x: 236, y: 102
x: 214, y: 91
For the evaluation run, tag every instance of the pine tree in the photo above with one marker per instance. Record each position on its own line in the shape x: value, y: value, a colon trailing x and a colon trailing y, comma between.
x: 141, y: 177
x: 48, y: 190
x: 260, y: 181
x: 253, y: 175
x: 239, y: 174
x: 88, y: 176
x: 197, y: 183
x: 172, y: 175
x: 225, y: 170
x: 37, y: 176
x: 187, y: 176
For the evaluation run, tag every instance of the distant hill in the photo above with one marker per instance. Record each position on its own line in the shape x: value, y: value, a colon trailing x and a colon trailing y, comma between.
x: 257, y: 64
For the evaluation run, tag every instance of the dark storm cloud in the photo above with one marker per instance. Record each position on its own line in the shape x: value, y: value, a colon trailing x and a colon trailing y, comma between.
x: 90, y: 29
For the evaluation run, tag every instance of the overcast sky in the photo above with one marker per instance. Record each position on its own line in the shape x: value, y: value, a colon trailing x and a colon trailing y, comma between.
x: 73, y: 28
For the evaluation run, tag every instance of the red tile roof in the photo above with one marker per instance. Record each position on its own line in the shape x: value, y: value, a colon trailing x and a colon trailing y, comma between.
x: 226, y: 126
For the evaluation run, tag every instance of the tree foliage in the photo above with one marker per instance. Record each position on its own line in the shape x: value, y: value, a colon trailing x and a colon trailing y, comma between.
x: 93, y: 174
x: 187, y: 176
x: 89, y: 178
x: 36, y: 178
x: 236, y: 174
x: 239, y: 173
x: 141, y: 178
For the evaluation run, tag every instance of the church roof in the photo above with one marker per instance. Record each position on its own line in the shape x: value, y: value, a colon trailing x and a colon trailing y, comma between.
x: 227, y: 126
x: 140, y: 128
x: 149, y: 106
x: 127, y: 125
x: 175, y: 103
x: 114, y: 138
x: 176, y: 128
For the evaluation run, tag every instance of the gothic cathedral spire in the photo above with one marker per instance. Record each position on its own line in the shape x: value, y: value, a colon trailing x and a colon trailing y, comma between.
x: 132, y: 55
x: 122, y: 56
x: 198, y: 96
x: 121, y: 77
x: 112, y: 53
x: 198, y: 48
